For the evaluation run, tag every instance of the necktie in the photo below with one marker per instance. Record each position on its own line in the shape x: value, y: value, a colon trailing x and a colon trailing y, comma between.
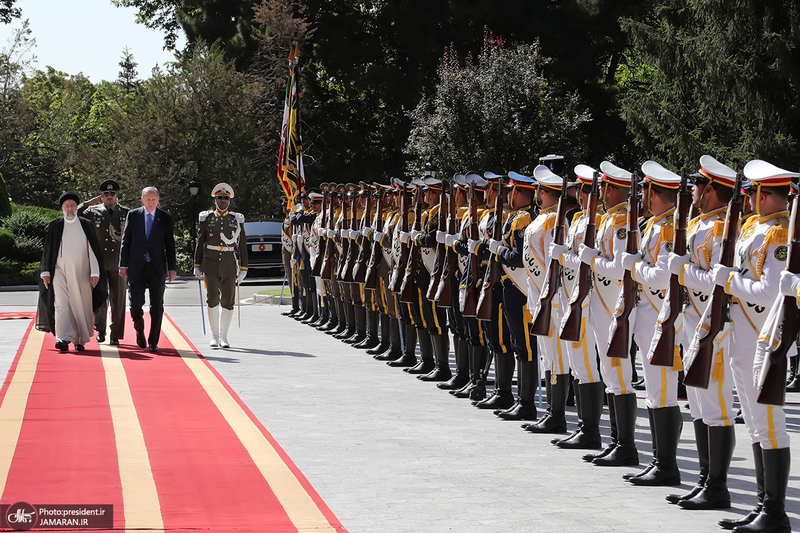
x: 148, y: 224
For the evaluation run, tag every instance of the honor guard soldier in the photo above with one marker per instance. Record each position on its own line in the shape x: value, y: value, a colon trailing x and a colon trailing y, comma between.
x: 711, y: 408
x: 510, y: 254
x: 538, y: 237
x: 221, y: 259
x: 108, y: 217
x: 650, y: 272
x: 606, y: 287
x: 287, y: 250
x: 754, y: 283
x: 582, y: 359
x: 312, y: 244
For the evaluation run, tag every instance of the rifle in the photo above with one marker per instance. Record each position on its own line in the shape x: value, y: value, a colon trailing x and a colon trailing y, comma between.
x: 352, y: 253
x: 444, y: 291
x: 440, y: 249
x: 486, y: 300
x: 619, y: 343
x: 409, y: 287
x: 571, y: 324
x: 316, y: 270
x: 340, y: 271
x: 371, y: 275
x: 541, y: 320
x: 699, y: 372
x: 664, y: 352
x: 365, y: 251
x: 395, y: 282
x: 772, y: 384
x: 470, y: 303
x: 327, y: 262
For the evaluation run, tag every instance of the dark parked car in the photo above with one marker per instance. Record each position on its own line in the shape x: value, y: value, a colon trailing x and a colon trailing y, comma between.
x: 264, y: 245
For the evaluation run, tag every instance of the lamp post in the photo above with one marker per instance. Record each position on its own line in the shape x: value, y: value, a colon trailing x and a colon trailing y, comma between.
x: 194, y: 190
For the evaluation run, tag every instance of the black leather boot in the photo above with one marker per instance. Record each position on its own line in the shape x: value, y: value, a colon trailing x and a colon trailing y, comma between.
x: 556, y: 422
x: 548, y: 392
x: 385, y: 336
x: 361, y: 326
x: 477, y: 356
x: 668, y: 423
x: 793, y: 384
x: 612, y: 418
x: 502, y: 398
x: 426, y: 362
x: 335, y: 309
x: 347, y: 326
x: 652, y: 465
x: 441, y: 352
x: 461, y: 377
x: 395, y: 346
x: 315, y: 315
x: 715, y: 495
x: 409, y: 355
x: 701, y: 443
x: 624, y: 453
x: 371, y: 340
x: 591, y: 406
x: 772, y: 518
x: 758, y: 461
x: 525, y: 407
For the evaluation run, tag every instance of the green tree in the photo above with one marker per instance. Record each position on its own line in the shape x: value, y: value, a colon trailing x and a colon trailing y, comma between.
x: 128, y: 73
x: 717, y: 78
x: 8, y: 12
x: 497, y: 111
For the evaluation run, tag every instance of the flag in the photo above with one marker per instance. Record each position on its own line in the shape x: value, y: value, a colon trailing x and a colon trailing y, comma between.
x: 290, y: 156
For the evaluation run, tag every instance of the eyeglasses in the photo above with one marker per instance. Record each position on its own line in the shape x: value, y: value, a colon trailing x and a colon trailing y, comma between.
x: 109, y: 193
x: 223, y: 197
x: 316, y: 202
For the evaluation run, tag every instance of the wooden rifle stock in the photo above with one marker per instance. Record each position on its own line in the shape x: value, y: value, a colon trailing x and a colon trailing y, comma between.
x: 471, y: 294
x: 364, y: 251
x: 699, y: 373
x: 352, y: 252
x: 395, y: 282
x: 371, y: 276
x: 340, y: 271
x: 409, y: 287
x: 664, y: 352
x: 444, y: 292
x: 326, y: 272
x: 541, y: 321
x: 316, y: 270
x: 619, y: 343
x: 440, y: 249
x: 773, y: 387
x: 486, y: 300
x: 571, y: 326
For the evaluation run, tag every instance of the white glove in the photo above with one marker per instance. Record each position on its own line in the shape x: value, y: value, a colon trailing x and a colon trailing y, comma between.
x: 450, y: 240
x: 404, y: 236
x: 789, y: 283
x: 367, y: 231
x: 353, y: 234
x: 344, y: 233
x: 587, y: 254
x: 330, y: 233
x: 379, y: 235
x: 556, y: 250
x: 294, y: 238
x: 298, y: 208
x: 675, y: 262
x: 721, y: 274
x: 628, y: 260
x: 241, y: 275
x: 198, y: 273
x: 472, y: 245
x: 441, y: 236
x: 494, y: 245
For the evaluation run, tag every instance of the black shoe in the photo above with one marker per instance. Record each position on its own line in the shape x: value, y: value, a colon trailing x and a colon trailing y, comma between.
x: 141, y: 342
x: 708, y: 498
x: 794, y: 385
x: 113, y: 341
x: 388, y: 355
x: 404, y: 361
x: 658, y: 477
x: 729, y: 523
x: 456, y: 382
x: 63, y: 346
x: 101, y: 337
x: 675, y: 498
x: 80, y: 347
x: 549, y: 424
x: 153, y: 348
x: 423, y: 367
x: 291, y: 313
x: 498, y: 400
x: 581, y: 441
x: 379, y: 349
x: 521, y: 410
x: 639, y: 385
x: 437, y: 374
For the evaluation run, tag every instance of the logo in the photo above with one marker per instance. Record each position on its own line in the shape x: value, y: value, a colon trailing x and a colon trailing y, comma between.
x: 622, y: 233
x: 781, y: 253
x: 21, y: 516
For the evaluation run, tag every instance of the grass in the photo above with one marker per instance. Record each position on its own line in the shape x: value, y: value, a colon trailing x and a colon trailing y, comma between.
x: 275, y: 292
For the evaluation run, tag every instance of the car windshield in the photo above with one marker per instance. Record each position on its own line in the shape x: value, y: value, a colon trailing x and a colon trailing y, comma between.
x: 253, y: 229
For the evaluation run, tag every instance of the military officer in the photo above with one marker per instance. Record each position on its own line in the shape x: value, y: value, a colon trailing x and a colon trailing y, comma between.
x: 287, y: 251
x: 711, y: 408
x: 108, y: 217
x: 220, y: 235
x: 754, y: 283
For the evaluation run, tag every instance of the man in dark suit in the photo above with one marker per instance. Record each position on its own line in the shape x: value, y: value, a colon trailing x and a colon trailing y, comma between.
x: 146, y: 259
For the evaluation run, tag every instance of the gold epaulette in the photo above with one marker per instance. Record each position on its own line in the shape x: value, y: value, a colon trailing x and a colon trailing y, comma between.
x: 521, y: 221
x: 620, y: 218
x: 667, y: 232
x: 576, y: 216
x: 692, y: 224
x: 778, y: 234
x: 550, y: 222
x: 719, y: 228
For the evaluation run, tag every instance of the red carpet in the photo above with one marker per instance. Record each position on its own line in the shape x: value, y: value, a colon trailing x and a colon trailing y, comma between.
x: 160, y: 437
x: 14, y: 316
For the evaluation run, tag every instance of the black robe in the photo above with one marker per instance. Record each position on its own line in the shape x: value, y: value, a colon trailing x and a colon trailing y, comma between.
x: 46, y: 310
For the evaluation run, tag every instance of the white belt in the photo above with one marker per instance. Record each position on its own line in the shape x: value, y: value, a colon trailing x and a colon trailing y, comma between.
x: 220, y: 248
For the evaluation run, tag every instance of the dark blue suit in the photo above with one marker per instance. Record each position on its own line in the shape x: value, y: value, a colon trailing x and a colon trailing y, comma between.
x: 152, y: 274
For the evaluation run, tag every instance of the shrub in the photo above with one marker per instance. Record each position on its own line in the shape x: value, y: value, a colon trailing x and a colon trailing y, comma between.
x: 14, y: 272
x: 27, y: 223
x: 6, y: 243
x: 28, y: 248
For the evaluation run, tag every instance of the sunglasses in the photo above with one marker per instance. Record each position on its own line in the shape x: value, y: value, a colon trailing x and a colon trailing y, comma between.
x: 316, y: 201
x: 109, y: 193
x: 223, y: 197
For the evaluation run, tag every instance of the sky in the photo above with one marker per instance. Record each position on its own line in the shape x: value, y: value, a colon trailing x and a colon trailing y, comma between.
x: 88, y: 36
